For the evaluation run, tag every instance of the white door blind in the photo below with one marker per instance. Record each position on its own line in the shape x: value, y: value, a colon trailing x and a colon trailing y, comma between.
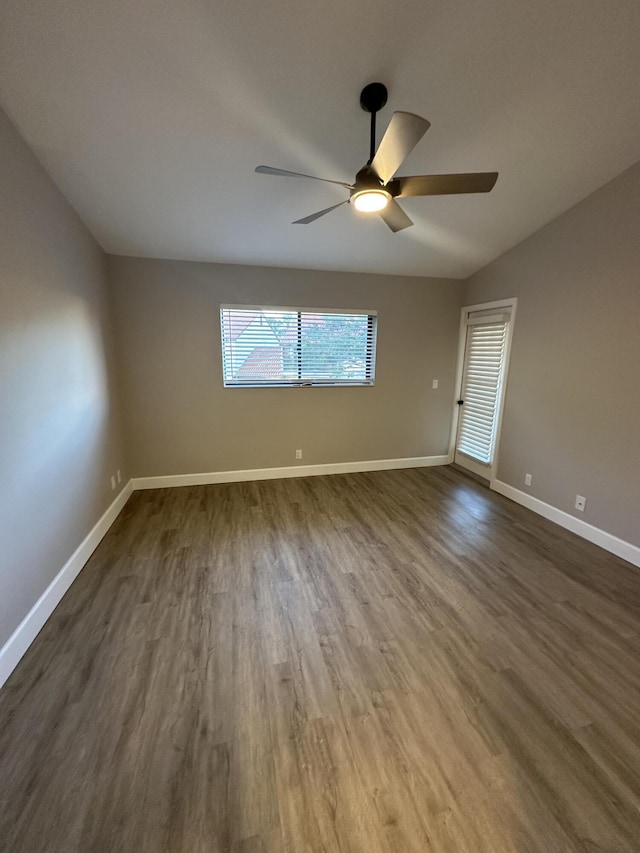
x: 484, y: 359
x: 290, y: 346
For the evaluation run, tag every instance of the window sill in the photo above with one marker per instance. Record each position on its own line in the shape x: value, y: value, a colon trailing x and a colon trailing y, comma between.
x: 304, y: 385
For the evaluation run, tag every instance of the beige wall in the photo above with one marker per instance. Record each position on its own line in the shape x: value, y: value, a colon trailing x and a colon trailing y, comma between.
x: 58, y: 428
x: 572, y: 416
x: 179, y: 418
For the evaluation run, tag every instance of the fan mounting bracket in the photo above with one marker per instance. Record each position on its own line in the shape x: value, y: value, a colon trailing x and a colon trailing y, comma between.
x: 373, y: 97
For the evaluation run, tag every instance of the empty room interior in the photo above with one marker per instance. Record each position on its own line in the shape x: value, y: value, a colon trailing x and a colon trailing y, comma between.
x: 319, y: 433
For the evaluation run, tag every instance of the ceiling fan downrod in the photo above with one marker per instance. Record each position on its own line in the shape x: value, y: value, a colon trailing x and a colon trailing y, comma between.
x: 372, y: 99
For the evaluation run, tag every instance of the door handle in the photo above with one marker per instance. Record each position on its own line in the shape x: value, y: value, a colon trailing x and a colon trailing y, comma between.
x: 460, y: 402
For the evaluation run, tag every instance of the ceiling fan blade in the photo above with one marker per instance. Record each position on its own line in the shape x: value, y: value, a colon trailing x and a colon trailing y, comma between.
x: 402, y: 135
x: 270, y: 170
x: 395, y: 217
x: 312, y: 218
x: 472, y: 182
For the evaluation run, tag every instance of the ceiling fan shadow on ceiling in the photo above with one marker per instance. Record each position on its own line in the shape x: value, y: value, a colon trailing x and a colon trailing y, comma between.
x: 375, y: 188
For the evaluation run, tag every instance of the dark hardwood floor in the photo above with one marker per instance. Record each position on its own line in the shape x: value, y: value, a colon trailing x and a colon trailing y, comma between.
x: 394, y: 661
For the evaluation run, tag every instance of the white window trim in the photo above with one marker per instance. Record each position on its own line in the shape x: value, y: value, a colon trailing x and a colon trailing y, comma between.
x: 240, y: 306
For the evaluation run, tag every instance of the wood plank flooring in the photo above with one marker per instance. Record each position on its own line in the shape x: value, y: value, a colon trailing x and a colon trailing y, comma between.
x: 394, y: 661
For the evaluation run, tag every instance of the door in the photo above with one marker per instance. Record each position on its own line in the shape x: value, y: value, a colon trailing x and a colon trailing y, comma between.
x: 485, y: 338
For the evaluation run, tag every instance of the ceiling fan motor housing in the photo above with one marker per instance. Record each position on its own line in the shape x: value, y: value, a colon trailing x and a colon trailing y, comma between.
x: 366, y: 179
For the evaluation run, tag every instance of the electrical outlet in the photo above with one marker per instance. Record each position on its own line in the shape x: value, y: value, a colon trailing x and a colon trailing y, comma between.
x: 528, y: 479
x: 119, y: 475
x: 298, y: 454
x: 434, y: 384
x: 113, y: 482
x: 581, y: 503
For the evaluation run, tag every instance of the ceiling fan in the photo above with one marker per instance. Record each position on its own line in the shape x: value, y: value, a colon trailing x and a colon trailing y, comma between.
x: 375, y: 188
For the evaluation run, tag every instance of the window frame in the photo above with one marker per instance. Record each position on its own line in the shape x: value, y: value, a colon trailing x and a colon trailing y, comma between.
x: 372, y: 335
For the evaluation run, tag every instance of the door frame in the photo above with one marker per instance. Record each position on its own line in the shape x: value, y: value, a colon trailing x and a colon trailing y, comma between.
x: 511, y: 303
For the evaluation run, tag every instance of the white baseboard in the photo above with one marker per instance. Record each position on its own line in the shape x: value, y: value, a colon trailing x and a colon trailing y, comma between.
x: 605, y: 540
x: 29, y: 628
x: 172, y: 480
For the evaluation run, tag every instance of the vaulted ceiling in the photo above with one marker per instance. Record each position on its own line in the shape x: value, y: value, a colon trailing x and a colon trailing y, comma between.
x: 151, y: 116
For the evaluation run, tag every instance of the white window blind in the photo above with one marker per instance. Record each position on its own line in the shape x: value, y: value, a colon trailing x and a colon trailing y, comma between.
x: 484, y: 360
x: 295, y: 346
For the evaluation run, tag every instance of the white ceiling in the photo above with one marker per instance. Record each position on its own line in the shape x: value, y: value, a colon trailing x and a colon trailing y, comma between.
x: 152, y: 114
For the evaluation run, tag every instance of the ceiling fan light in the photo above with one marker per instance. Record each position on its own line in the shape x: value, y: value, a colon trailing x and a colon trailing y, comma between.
x: 370, y: 201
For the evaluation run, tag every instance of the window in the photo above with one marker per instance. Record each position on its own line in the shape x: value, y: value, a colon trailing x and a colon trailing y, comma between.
x: 294, y: 346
